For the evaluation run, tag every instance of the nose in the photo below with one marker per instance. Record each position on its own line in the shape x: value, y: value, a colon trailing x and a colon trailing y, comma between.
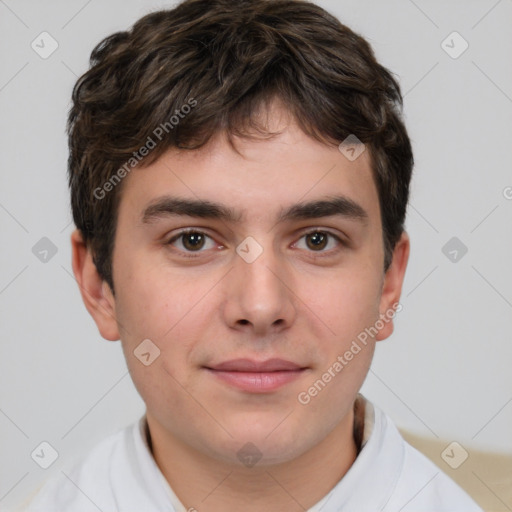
x: 259, y: 295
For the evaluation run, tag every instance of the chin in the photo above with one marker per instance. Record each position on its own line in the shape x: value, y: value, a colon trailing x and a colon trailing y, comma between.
x: 266, y: 443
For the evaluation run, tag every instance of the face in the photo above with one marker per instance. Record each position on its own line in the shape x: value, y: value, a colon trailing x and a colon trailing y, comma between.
x: 263, y: 296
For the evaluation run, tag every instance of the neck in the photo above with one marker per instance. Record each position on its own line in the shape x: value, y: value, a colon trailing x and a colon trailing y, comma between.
x: 209, y: 485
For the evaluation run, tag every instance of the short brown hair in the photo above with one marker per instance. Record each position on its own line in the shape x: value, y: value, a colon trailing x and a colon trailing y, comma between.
x: 230, y: 57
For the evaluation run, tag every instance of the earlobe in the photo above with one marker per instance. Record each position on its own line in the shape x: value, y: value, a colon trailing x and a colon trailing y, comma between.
x: 392, y: 286
x: 96, y: 293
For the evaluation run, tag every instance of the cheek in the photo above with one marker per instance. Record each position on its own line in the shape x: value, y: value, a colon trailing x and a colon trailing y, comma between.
x: 153, y: 302
x: 346, y: 307
x: 152, y: 310
x: 345, y: 303
x: 167, y: 309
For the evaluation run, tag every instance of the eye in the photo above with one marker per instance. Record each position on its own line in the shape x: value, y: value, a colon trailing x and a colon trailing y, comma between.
x: 191, y: 240
x: 196, y: 241
x: 318, y: 241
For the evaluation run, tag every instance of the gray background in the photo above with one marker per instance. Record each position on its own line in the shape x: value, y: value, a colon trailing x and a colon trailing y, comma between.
x: 446, y: 372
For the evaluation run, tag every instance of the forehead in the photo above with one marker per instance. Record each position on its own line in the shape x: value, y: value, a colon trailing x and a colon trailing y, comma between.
x: 260, y: 179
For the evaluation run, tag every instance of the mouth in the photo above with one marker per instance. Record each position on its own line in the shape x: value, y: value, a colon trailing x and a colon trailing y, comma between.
x: 257, y: 376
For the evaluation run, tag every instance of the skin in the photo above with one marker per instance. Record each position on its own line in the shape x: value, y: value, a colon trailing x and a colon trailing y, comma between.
x: 289, y: 303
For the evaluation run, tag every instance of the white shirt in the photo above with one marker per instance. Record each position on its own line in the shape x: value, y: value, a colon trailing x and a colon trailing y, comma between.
x: 121, y: 475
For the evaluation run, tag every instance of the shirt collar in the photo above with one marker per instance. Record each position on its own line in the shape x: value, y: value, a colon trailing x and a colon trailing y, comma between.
x: 369, y: 483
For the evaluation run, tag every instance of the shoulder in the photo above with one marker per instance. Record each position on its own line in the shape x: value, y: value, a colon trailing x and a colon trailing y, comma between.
x: 422, y: 487
x: 84, y: 485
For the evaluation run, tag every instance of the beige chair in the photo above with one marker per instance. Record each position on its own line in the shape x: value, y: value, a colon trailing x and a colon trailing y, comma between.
x: 487, y: 477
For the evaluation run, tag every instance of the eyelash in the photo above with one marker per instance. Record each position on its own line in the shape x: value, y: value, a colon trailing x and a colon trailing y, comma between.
x: 319, y: 254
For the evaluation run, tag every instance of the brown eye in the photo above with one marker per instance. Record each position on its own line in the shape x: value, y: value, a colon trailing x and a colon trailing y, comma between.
x: 191, y: 241
x: 317, y: 240
x: 322, y: 242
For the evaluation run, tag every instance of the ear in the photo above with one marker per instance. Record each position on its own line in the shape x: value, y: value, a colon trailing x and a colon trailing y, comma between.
x: 392, y: 286
x: 96, y: 293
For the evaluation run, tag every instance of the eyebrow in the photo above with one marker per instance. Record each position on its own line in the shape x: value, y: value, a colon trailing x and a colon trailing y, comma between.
x: 339, y: 206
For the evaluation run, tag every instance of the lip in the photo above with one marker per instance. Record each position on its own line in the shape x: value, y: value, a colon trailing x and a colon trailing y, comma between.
x: 250, y: 365
x: 257, y: 376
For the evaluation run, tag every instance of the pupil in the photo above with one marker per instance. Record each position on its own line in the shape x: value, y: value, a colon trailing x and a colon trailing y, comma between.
x: 193, y: 240
x: 318, y: 240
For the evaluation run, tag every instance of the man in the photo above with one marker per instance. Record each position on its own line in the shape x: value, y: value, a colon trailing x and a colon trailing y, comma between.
x: 239, y: 175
